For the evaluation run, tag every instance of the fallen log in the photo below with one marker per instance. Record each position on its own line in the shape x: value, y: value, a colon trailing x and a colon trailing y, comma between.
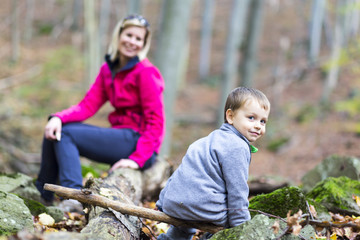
x: 87, y: 197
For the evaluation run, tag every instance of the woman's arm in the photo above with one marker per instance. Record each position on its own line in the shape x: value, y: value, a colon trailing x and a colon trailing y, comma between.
x: 151, y: 86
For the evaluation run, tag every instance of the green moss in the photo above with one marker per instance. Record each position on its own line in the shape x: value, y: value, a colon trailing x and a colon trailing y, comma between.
x: 306, y: 113
x: 35, y: 207
x: 351, y: 106
x: 10, y: 175
x: 336, y: 191
x: 279, y: 202
x: 275, y: 144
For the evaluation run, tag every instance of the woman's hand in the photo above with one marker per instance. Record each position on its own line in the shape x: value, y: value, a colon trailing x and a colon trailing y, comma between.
x: 53, y: 129
x: 124, y: 163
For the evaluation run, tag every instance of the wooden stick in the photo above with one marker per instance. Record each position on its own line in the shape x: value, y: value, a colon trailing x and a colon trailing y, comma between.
x: 98, y: 200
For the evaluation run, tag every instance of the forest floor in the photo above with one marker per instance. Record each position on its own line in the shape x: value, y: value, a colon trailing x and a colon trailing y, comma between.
x: 319, y: 134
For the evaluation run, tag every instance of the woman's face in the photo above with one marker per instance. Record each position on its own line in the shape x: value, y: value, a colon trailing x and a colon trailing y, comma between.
x: 131, y: 41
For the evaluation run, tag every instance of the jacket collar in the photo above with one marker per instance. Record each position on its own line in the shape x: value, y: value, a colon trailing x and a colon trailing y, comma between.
x: 230, y: 127
x: 113, y: 65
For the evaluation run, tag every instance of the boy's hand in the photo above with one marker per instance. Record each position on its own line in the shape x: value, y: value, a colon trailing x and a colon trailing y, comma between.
x: 53, y: 129
x: 124, y: 163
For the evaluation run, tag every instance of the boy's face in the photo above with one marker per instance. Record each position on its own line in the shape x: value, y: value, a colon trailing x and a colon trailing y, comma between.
x: 250, y: 120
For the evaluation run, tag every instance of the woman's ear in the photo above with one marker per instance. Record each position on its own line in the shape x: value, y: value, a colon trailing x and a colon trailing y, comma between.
x: 229, y: 116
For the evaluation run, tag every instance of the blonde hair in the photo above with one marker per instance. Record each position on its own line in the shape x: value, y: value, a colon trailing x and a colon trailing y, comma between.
x: 132, y: 20
x: 239, y: 96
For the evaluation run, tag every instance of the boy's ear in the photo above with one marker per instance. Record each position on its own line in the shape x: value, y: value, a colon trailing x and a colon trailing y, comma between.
x: 229, y: 116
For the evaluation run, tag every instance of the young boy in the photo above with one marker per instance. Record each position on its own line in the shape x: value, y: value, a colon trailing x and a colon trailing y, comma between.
x: 211, y: 182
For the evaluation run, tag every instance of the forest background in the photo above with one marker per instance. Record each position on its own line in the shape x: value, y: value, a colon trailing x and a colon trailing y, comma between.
x: 303, y: 54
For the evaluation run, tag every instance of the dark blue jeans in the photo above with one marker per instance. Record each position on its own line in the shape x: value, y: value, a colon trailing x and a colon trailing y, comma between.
x: 60, y: 161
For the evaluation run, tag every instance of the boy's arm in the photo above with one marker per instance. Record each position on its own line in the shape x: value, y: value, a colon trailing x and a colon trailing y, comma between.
x: 236, y: 171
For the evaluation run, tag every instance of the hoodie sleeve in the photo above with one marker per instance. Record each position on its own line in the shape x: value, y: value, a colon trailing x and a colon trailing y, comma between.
x: 235, y: 169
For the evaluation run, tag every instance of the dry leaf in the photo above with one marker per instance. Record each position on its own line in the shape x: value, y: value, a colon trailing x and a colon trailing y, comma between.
x: 357, y: 199
x: 313, y: 211
x: 276, y: 227
x: 293, y: 222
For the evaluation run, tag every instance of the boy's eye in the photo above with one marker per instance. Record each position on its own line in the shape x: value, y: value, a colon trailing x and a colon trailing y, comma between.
x: 251, y: 118
x: 263, y: 121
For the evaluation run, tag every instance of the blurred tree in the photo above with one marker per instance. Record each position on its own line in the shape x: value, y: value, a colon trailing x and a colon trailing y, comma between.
x: 134, y: 6
x: 104, y: 25
x: 92, y: 58
x: 15, y: 31
x: 173, y: 39
x: 77, y: 7
x: 334, y: 66
x: 205, y: 43
x: 317, y: 16
x: 251, y: 43
x: 233, y: 42
x: 29, y: 18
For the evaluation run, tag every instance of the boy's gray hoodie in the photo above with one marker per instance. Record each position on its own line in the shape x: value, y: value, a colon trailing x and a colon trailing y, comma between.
x: 211, y: 182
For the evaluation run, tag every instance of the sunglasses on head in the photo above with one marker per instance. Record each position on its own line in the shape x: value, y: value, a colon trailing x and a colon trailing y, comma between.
x: 140, y: 18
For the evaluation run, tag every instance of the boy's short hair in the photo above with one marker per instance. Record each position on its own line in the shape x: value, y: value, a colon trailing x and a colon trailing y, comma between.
x: 238, y: 97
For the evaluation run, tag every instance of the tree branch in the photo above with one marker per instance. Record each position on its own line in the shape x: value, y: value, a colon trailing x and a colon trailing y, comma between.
x: 86, y: 196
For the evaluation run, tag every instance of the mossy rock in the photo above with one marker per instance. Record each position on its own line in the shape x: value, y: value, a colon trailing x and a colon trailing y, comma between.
x: 279, y: 202
x: 260, y: 228
x: 19, y: 184
x: 332, y: 166
x: 35, y: 207
x: 55, y: 213
x: 14, y: 215
x: 336, y: 194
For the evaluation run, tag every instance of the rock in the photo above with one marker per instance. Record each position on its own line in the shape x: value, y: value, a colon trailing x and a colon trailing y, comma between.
x: 333, y: 166
x: 35, y: 207
x: 279, y: 202
x: 336, y: 194
x: 14, y: 215
x: 70, y: 235
x: 260, y: 227
x: 56, y: 213
x: 19, y: 184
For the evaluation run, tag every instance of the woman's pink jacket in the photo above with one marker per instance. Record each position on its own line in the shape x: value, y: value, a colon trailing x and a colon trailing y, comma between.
x: 137, y: 97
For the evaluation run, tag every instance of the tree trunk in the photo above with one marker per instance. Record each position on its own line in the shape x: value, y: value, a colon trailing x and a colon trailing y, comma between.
x: 234, y: 39
x: 29, y: 19
x: 15, y: 31
x: 172, y: 41
x: 124, y: 186
x: 92, y: 42
x: 252, y: 42
x: 317, y: 17
x: 332, y: 77
x: 104, y: 25
x: 206, y: 35
x: 134, y: 6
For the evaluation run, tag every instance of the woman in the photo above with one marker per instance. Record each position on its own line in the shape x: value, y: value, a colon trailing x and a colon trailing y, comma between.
x: 134, y: 87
